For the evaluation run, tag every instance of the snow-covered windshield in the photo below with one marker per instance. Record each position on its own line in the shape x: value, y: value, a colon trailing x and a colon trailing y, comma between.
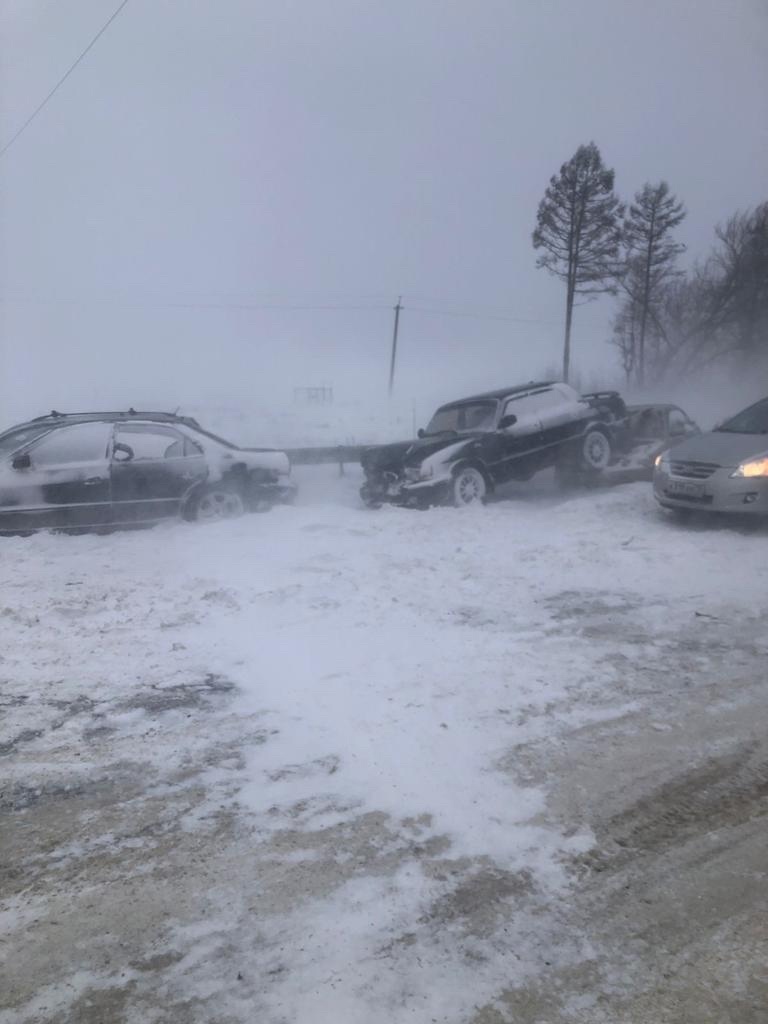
x: 467, y: 416
x: 753, y: 420
x: 18, y: 438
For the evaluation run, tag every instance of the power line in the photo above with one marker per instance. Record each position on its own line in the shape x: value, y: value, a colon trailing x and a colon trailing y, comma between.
x: 278, y: 306
x: 264, y: 305
x: 289, y: 306
x: 480, y: 316
x: 61, y: 81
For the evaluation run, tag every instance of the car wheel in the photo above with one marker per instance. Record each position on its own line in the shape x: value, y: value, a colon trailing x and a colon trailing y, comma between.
x: 217, y: 503
x: 469, y: 487
x: 595, y: 451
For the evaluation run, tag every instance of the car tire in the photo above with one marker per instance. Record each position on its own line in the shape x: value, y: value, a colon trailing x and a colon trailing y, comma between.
x: 216, y: 502
x: 596, y: 451
x: 469, y: 487
x: 582, y: 465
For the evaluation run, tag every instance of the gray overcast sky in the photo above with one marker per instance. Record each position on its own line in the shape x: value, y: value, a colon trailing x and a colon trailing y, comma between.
x: 338, y: 153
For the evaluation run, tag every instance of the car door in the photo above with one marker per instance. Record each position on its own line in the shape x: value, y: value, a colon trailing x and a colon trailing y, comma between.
x: 154, y: 466
x: 517, y: 444
x: 61, y: 481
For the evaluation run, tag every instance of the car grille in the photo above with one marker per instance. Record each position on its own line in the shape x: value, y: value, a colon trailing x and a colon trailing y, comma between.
x: 693, y: 470
x: 695, y: 499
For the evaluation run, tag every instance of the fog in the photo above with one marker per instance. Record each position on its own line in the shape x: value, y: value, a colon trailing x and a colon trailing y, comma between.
x: 224, y: 202
x: 468, y: 728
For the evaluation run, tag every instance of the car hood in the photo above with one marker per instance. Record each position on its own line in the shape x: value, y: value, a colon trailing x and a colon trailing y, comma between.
x: 722, y: 447
x: 411, y: 453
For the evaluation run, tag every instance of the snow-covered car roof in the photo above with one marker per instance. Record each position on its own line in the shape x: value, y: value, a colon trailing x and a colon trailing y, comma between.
x: 54, y: 420
x: 60, y: 419
x: 501, y: 393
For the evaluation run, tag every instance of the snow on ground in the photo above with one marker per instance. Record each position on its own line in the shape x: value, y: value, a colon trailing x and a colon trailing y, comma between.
x: 290, y: 768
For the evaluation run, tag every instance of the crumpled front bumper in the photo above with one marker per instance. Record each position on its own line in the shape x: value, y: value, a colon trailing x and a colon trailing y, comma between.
x: 410, y: 494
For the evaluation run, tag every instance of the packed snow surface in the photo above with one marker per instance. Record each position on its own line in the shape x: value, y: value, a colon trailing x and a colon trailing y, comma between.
x: 352, y: 690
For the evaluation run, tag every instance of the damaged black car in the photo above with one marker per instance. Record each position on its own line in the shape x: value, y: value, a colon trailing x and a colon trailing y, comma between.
x: 473, y: 445
x: 88, y: 471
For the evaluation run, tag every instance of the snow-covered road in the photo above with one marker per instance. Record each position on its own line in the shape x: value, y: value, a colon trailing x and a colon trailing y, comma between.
x: 333, y: 765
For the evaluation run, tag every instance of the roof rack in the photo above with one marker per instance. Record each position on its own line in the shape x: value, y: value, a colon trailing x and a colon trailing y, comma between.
x: 54, y: 414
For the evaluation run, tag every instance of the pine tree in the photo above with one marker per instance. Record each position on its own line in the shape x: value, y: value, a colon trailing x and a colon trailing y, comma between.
x: 578, y: 226
x: 651, y: 254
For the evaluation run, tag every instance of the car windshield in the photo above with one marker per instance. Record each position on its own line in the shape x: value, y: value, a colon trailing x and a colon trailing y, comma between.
x: 753, y: 420
x: 16, y: 439
x: 467, y: 416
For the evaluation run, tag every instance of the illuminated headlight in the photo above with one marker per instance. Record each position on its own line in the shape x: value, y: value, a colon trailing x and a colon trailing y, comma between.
x: 416, y: 473
x: 753, y: 468
x: 661, y: 461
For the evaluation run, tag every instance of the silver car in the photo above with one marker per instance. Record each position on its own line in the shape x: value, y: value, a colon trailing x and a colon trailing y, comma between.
x: 723, y: 471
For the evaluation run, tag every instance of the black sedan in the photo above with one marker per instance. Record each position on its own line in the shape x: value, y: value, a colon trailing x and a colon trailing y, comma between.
x: 473, y: 445
x: 104, y: 470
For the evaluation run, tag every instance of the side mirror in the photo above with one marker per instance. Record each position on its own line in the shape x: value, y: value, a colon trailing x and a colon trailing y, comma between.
x: 507, y: 421
x: 123, y: 453
x: 420, y: 432
x: 22, y: 462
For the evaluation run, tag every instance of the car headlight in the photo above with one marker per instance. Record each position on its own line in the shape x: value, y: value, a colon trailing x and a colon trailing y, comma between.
x: 753, y: 468
x: 661, y: 461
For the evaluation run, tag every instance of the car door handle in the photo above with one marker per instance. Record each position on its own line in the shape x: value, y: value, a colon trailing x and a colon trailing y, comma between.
x: 93, y: 480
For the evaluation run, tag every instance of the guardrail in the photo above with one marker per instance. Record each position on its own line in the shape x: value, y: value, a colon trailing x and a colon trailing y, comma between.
x: 339, y: 455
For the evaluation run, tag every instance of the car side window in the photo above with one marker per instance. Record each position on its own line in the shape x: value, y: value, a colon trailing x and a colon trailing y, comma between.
x: 82, y: 442
x: 548, y: 400
x: 152, y: 442
x: 192, y: 447
x: 678, y: 422
x: 523, y: 406
x: 554, y: 407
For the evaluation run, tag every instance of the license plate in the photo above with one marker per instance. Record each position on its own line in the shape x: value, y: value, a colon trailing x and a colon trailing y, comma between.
x: 685, y: 489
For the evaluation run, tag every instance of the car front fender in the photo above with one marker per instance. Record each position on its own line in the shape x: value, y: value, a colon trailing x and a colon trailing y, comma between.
x: 444, y: 461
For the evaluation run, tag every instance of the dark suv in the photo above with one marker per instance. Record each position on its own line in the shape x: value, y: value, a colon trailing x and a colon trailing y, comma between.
x: 472, y: 445
x: 102, y: 470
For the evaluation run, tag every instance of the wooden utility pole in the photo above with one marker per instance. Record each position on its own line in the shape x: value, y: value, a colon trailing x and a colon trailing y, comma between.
x: 398, y: 307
